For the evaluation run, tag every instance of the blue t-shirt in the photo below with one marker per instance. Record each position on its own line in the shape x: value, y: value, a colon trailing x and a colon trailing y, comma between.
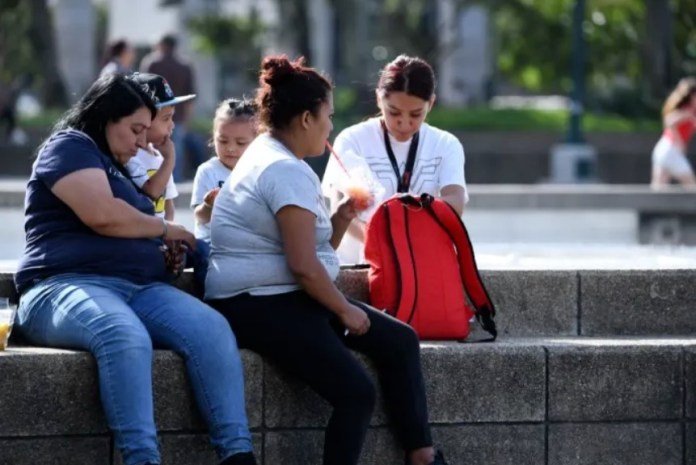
x: 57, y: 241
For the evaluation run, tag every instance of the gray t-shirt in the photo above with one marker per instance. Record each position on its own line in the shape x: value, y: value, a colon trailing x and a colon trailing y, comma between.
x: 246, y: 246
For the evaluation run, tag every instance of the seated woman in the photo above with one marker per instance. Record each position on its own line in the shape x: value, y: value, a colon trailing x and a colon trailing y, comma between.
x: 405, y: 154
x: 93, y: 277
x: 272, y: 269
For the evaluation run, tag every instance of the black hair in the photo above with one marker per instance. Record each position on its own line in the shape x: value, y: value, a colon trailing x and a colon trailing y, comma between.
x: 412, y: 75
x: 169, y: 41
x: 287, y: 89
x: 109, y: 98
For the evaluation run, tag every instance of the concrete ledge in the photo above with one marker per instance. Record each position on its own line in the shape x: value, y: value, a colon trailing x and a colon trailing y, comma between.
x: 559, y: 303
x: 637, y: 302
x: 508, y: 387
x: 609, y: 401
x: 502, y: 196
x: 610, y: 383
x: 593, y: 196
x: 534, y: 303
x: 560, y: 399
x: 466, y: 444
x: 50, y: 392
x: 616, y: 444
x: 690, y: 441
x: 56, y: 450
x: 690, y: 385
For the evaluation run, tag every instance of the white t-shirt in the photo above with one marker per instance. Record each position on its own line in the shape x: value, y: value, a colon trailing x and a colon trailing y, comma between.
x: 246, y: 246
x: 439, y: 163
x: 209, y: 175
x: 142, y: 167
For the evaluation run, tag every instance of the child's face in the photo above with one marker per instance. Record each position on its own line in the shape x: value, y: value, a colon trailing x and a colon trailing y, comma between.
x: 231, y: 138
x: 162, y: 126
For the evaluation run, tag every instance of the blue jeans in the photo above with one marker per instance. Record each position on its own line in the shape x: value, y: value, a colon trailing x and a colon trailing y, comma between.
x: 118, y: 322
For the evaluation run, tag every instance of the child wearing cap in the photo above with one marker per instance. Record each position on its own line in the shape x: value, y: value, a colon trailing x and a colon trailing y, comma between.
x: 151, y: 168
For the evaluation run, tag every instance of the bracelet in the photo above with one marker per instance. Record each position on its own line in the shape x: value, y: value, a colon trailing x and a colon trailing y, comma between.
x: 209, y: 205
x: 165, y: 228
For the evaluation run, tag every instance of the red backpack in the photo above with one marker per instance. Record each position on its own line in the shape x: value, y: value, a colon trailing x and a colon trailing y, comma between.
x: 421, y: 263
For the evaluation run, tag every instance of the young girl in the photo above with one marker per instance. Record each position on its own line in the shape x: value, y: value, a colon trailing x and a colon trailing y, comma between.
x: 404, y: 152
x: 669, y: 155
x: 234, y: 127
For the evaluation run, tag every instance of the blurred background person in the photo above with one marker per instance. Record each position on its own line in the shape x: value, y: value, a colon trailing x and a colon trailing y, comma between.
x: 119, y: 57
x: 9, y: 97
x: 669, y: 160
x: 165, y: 62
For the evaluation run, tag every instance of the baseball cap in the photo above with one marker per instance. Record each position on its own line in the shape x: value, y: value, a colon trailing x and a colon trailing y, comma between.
x: 158, y: 89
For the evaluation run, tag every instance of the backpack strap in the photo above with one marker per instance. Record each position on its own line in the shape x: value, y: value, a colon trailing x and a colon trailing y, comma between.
x: 451, y: 223
x: 399, y: 234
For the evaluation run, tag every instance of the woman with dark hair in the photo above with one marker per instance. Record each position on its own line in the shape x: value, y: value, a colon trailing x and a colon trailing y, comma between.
x: 118, y: 58
x: 669, y: 161
x: 93, y: 277
x: 405, y: 153
x: 273, y: 265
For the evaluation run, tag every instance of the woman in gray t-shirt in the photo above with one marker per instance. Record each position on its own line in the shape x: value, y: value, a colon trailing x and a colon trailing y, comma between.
x: 273, y: 265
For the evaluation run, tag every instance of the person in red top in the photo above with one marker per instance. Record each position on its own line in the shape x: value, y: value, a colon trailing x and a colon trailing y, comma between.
x: 669, y: 160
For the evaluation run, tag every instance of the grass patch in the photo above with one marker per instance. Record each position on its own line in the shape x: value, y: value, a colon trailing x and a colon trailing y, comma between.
x: 44, y: 120
x: 487, y: 119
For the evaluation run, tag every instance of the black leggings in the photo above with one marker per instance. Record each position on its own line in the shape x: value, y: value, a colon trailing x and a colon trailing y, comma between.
x: 305, y: 339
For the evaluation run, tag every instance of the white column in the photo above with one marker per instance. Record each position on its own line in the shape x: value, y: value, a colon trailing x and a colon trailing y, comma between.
x: 466, y: 60
x: 321, y: 37
x: 74, y: 23
x: 205, y: 66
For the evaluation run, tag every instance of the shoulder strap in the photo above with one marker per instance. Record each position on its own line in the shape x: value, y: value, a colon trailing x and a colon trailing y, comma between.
x: 450, y: 221
x: 403, y: 182
x: 398, y: 229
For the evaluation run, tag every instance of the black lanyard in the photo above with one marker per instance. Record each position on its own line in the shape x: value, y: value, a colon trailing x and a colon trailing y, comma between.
x: 403, y: 181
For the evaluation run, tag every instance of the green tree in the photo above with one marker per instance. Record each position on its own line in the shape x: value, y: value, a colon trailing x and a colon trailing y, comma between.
x: 26, y: 48
x: 233, y: 40
x: 684, y: 58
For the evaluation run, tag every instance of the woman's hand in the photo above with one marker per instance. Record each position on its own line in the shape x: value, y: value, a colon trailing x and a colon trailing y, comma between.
x: 210, y: 196
x: 355, y: 320
x: 175, y: 256
x: 346, y: 210
x: 176, y: 232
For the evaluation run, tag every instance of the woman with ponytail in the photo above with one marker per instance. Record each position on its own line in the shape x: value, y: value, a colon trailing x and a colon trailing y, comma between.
x: 273, y: 267
x: 405, y: 154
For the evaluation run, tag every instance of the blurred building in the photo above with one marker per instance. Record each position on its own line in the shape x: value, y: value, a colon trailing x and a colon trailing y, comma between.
x: 465, y: 64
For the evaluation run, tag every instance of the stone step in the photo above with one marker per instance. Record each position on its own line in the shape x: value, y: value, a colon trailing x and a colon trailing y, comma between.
x: 563, y: 303
x: 571, y: 400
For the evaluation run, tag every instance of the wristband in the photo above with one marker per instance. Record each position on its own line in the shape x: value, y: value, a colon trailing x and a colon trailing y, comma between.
x: 165, y: 229
x: 209, y: 205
